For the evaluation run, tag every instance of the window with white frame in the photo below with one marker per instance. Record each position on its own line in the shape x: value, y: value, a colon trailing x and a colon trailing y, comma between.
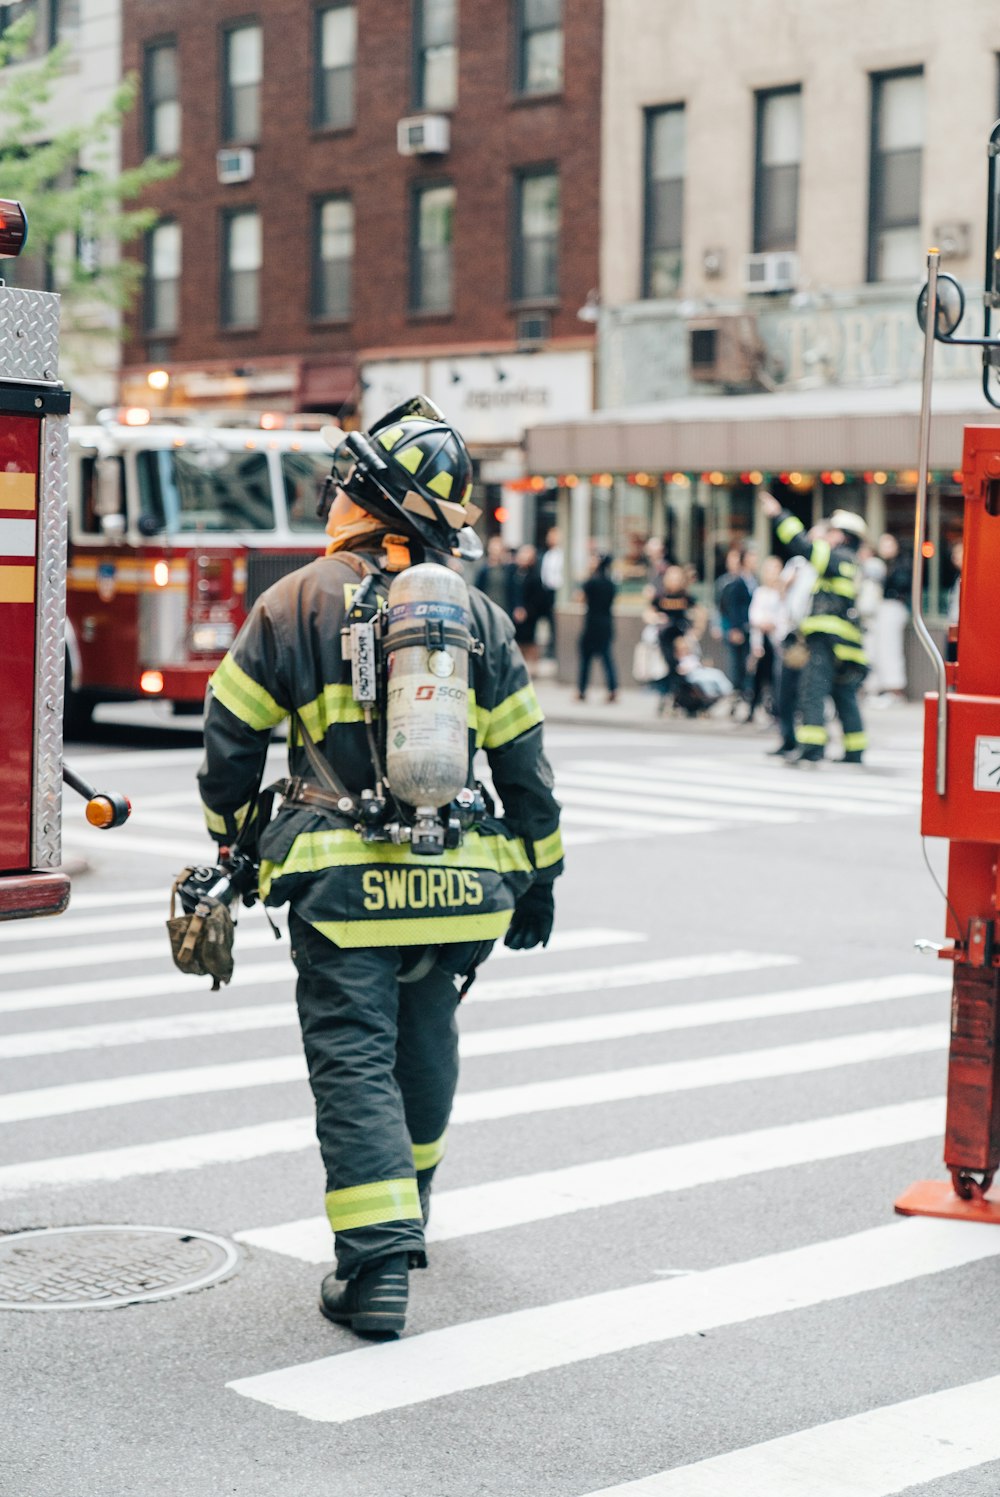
x: 664, y: 206
x: 431, y: 258
x: 163, y: 106
x: 333, y: 257
x: 435, y: 38
x: 244, y: 68
x: 163, y: 278
x: 895, y: 251
x: 539, y: 46
x: 241, y: 265
x: 336, y: 55
x: 536, y: 235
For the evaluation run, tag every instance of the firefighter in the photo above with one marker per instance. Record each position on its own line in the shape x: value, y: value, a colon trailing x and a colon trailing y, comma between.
x: 837, y: 664
x: 381, y: 939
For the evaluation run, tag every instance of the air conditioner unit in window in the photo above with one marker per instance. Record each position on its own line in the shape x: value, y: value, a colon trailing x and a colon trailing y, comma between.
x: 533, y: 329
x: 234, y: 166
x: 725, y: 350
x: 775, y: 270
x: 423, y: 135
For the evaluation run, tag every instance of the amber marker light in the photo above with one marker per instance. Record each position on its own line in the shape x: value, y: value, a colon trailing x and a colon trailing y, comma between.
x: 106, y: 811
x: 151, y: 682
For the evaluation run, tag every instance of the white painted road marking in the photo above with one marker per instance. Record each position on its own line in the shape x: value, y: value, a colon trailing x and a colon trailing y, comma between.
x: 260, y: 974
x: 619, y: 1024
x: 493, y: 1102
x: 875, y: 1454
x: 606, y: 1182
x: 483, y: 1353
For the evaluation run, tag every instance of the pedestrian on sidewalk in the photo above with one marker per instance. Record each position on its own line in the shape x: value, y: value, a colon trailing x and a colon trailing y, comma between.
x: 597, y: 634
x: 552, y: 571
x: 767, y: 627
x: 891, y: 617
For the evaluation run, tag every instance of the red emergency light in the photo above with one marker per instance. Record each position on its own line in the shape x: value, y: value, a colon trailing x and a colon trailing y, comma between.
x: 13, y: 229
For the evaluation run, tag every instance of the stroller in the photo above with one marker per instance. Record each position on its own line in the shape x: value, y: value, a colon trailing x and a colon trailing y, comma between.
x: 694, y: 686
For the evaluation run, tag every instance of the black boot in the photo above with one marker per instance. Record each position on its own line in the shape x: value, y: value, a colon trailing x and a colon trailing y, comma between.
x: 783, y: 750
x: 424, y: 1192
x: 809, y: 753
x: 373, y: 1304
x: 853, y: 756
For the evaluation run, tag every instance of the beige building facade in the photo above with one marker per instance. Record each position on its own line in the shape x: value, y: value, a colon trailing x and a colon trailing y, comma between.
x: 773, y: 172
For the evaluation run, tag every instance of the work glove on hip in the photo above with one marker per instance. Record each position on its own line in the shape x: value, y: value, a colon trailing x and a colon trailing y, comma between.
x: 533, y: 917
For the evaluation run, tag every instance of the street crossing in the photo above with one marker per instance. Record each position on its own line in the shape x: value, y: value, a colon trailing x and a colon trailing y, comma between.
x: 599, y: 1037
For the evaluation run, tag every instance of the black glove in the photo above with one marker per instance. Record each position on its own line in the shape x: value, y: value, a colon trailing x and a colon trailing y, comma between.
x: 533, y: 917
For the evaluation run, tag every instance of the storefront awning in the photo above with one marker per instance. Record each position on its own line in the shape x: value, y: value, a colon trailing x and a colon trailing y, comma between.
x: 850, y: 429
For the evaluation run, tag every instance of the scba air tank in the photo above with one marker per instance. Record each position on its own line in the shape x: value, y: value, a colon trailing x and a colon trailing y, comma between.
x: 427, y: 644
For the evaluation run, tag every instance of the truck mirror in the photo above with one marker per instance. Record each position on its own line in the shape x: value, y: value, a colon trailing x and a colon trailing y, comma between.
x: 950, y: 307
x: 149, y: 525
x: 108, y: 496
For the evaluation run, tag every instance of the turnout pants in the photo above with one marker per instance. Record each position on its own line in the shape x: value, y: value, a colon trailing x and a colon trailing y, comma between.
x: 825, y: 676
x: 383, y: 1066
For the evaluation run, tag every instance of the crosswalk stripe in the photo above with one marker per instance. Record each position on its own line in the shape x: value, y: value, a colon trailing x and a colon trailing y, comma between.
x: 606, y: 1182
x: 259, y: 974
x: 630, y: 825
x: 659, y: 803
x: 91, y: 925
x: 484, y: 1353
x: 725, y: 795
x: 115, y: 898
x: 622, y: 1024
x: 875, y: 1454
x: 494, y: 1102
x: 129, y: 840
x: 742, y: 775
x: 54, y: 957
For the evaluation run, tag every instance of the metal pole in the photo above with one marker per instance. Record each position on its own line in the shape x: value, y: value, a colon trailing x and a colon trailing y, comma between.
x: 920, y: 527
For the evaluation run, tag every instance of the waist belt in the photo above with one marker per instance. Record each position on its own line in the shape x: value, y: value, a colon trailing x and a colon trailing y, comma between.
x: 299, y: 792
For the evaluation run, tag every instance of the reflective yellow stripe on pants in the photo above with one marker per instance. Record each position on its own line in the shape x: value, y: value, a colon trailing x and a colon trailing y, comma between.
x: 368, y: 1205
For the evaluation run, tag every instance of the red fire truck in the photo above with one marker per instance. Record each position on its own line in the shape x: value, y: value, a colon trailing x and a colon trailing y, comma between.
x: 175, y: 528
x: 34, y: 447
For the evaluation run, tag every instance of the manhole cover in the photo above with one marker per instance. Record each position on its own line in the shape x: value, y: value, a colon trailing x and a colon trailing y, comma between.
x: 97, y: 1268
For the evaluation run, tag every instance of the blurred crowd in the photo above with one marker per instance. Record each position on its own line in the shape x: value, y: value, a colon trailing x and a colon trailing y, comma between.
x: 740, y: 644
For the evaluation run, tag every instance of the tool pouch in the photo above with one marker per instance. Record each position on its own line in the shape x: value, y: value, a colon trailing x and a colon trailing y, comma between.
x: 201, y: 943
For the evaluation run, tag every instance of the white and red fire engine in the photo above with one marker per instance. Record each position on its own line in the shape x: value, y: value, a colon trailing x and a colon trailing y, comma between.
x: 175, y: 528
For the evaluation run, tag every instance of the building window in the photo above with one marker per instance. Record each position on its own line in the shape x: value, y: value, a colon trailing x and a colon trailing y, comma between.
x: 435, y: 41
x: 163, y: 278
x: 241, y: 264
x: 431, y: 259
x: 244, y: 59
x: 333, y: 257
x: 539, y: 46
x: 664, y: 225
x: 894, y: 245
x: 776, y: 174
x: 336, y: 53
x: 536, y: 236
x: 163, y: 107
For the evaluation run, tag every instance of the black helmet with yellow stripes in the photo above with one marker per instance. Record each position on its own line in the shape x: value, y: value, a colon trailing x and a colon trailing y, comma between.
x: 413, y: 470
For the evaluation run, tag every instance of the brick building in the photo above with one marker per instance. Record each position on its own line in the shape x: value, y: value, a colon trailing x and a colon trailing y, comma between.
x: 314, y: 266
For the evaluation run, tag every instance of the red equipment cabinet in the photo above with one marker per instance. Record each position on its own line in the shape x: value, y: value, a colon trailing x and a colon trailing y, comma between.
x: 33, y: 461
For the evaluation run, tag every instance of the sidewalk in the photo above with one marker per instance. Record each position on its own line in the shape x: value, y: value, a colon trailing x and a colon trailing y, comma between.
x: 635, y: 710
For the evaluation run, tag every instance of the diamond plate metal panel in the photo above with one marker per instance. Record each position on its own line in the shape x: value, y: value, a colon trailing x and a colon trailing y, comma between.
x: 29, y: 335
x: 50, y: 642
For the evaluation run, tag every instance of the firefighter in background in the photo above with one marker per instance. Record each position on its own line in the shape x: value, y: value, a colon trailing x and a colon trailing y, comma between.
x: 837, y: 663
x: 382, y: 949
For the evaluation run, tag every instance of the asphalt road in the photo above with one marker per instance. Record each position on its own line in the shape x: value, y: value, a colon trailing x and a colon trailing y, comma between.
x: 666, y: 1252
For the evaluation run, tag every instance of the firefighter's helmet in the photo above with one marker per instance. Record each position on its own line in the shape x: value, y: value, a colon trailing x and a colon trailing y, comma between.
x: 412, y: 470
x: 850, y: 524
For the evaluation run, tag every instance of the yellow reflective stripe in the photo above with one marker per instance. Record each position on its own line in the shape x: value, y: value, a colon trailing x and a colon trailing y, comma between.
x: 848, y: 569
x: 812, y: 737
x: 244, y: 697
x: 216, y: 824
x: 838, y: 585
x: 478, y: 719
x: 335, y: 704
x: 549, y: 850
x: 819, y: 557
x: 829, y: 623
x: 418, y: 931
x: 788, y: 528
x: 512, y: 717
x: 426, y: 1156
x: 314, y: 852
x: 391, y: 437
x: 855, y: 742
x: 440, y: 484
x: 853, y: 653
x: 410, y: 458
x: 367, y: 1205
